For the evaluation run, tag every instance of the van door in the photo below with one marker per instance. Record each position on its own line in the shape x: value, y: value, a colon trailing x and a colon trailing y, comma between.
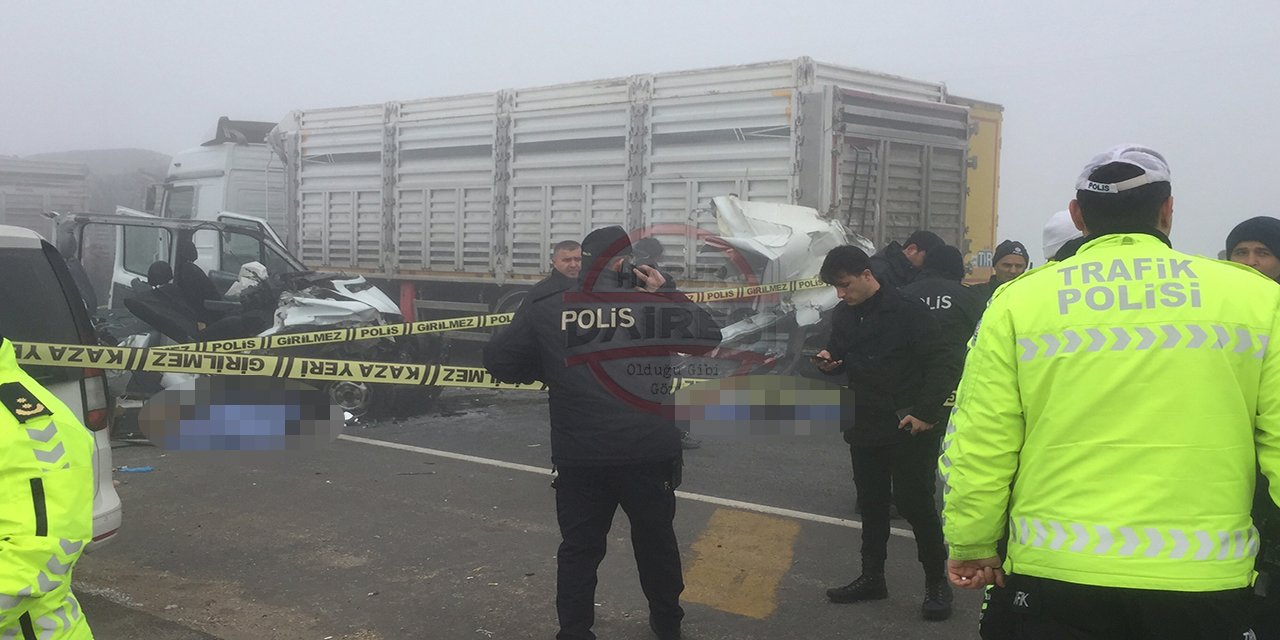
x: 137, y: 248
x: 251, y: 221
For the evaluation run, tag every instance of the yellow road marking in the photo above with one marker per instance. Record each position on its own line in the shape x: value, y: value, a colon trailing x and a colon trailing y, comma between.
x: 739, y: 561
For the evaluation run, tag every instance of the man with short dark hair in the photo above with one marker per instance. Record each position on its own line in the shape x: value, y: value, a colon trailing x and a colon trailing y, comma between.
x: 566, y: 259
x: 1111, y: 412
x: 1010, y: 261
x: 900, y: 372
x: 897, y: 265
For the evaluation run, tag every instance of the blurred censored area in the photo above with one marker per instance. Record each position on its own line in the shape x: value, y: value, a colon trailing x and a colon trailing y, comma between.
x: 240, y: 414
x: 763, y: 405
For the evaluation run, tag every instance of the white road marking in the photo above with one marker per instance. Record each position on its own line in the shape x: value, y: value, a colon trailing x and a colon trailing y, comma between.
x: 696, y: 497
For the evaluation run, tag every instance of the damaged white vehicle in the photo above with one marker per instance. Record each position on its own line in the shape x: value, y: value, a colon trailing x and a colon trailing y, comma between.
x: 239, y: 282
x: 778, y: 243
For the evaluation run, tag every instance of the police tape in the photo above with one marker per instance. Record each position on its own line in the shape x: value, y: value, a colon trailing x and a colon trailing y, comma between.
x: 330, y: 336
x: 308, y: 338
x: 269, y: 366
x: 755, y: 291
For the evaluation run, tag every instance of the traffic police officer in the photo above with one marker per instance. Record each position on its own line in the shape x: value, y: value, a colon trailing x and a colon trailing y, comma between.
x: 46, y: 508
x: 1108, y: 419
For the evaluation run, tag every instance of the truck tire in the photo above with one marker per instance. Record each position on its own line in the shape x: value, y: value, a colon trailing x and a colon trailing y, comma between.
x: 510, y: 301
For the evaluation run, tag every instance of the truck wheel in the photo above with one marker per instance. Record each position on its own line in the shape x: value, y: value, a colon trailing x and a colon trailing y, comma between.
x: 510, y: 301
x: 353, y: 397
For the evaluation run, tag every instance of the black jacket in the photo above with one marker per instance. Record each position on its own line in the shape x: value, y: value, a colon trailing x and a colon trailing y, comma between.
x: 609, y: 388
x: 892, y: 268
x: 984, y: 291
x: 956, y: 307
x: 897, y: 364
x: 196, y: 288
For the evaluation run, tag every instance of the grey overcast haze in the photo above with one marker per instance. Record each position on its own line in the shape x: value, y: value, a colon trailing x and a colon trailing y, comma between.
x: 1194, y: 80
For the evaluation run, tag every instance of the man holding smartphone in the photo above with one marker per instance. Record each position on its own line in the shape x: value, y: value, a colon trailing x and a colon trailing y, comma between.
x: 901, y: 372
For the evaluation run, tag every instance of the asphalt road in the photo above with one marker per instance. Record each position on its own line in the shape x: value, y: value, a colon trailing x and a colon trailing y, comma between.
x: 364, y: 541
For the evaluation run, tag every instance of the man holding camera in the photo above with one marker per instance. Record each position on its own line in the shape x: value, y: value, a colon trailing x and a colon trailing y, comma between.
x: 613, y: 438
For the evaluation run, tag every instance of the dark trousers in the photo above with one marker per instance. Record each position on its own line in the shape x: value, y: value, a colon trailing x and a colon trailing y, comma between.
x: 1266, y: 618
x: 1042, y: 608
x: 904, y: 474
x: 994, y: 623
x: 586, y: 500
x: 1266, y: 608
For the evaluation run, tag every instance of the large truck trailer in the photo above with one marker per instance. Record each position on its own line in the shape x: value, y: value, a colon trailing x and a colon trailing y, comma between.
x: 455, y: 202
x: 30, y: 189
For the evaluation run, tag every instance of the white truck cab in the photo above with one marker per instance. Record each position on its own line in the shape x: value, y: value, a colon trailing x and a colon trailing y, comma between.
x: 235, y: 171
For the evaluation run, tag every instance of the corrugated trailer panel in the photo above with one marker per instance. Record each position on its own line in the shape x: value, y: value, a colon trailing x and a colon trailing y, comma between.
x: 902, y: 166
x: 946, y: 195
x: 486, y: 184
x: 568, y: 167
x: 339, y: 187
x: 29, y: 188
x: 765, y: 76
x: 444, y: 184
x: 702, y: 146
x: 881, y: 83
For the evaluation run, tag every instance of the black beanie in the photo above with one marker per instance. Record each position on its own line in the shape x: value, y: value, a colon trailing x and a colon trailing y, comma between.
x: 944, y: 262
x: 1260, y: 229
x: 1010, y: 248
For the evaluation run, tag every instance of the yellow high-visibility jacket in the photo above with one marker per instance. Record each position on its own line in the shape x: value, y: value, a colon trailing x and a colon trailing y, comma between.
x: 46, y: 508
x: 1111, y: 406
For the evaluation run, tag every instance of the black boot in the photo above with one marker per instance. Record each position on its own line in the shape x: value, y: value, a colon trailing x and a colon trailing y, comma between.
x: 937, y: 599
x: 664, y: 632
x: 868, y: 586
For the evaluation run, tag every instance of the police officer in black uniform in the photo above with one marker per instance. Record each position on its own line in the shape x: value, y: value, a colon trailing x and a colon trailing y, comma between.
x: 957, y: 307
x: 603, y: 347
x: 896, y: 265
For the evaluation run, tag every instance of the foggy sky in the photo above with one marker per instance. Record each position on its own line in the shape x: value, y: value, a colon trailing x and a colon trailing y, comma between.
x: 1196, y: 81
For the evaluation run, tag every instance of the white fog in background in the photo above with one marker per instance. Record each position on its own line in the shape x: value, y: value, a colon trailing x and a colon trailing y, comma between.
x: 1194, y: 80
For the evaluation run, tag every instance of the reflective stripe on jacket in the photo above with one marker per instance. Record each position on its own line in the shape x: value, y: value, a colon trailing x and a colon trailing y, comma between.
x: 1110, y: 406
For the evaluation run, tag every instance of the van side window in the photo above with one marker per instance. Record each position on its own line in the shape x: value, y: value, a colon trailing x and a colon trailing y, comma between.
x: 143, y: 246
x: 180, y: 203
x: 237, y: 249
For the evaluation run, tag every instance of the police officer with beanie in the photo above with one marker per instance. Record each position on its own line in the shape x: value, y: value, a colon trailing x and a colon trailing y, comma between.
x: 1108, y: 420
x: 1256, y: 242
x: 603, y: 345
x: 1010, y: 261
x: 46, y: 519
x: 900, y: 371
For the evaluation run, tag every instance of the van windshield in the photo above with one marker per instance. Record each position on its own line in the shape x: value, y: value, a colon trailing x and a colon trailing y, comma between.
x: 36, y: 309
